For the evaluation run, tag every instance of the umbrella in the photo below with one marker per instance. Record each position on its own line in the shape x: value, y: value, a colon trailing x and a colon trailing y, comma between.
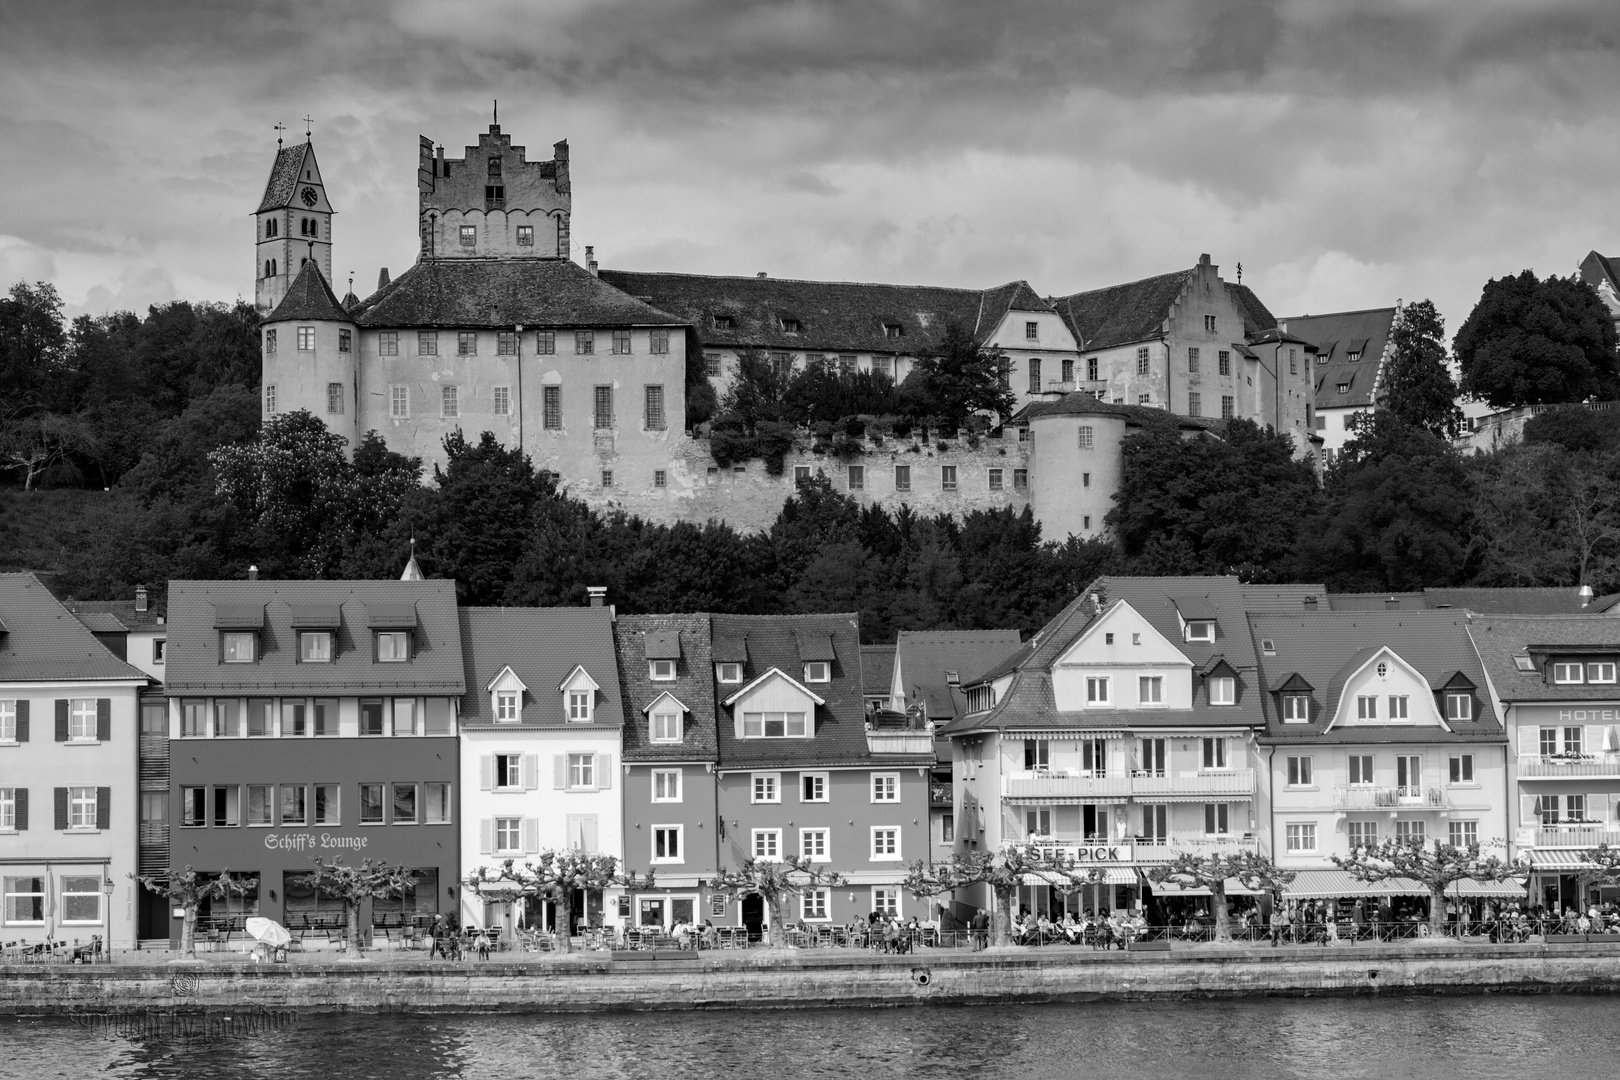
x: 268, y: 931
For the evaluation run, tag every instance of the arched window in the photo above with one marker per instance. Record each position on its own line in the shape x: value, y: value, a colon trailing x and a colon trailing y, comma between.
x: 301, y: 262
x: 273, y: 270
x: 267, y: 268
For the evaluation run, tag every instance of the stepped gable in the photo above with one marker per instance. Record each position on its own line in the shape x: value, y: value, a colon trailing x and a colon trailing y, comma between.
x: 40, y: 640
x: 832, y: 316
x: 502, y: 293
x: 309, y: 298
x: 1325, y: 648
x: 1336, y: 336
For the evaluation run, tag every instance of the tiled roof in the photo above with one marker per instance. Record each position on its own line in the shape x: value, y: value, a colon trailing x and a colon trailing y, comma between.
x: 100, y: 622
x: 693, y: 685
x: 194, y: 665
x: 925, y: 656
x: 1335, y: 335
x: 41, y: 641
x: 1500, y: 638
x: 283, y: 182
x: 121, y: 610
x: 877, y: 669
x: 1077, y: 404
x: 1325, y: 649
x: 1029, y: 704
x: 1281, y: 598
x: 840, y: 724
x: 1256, y: 318
x: 1119, y: 314
x: 503, y: 293
x: 309, y: 298
x: 1558, y: 600
x: 1406, y: 601
x: 832, y: 316
x: 542, y: 646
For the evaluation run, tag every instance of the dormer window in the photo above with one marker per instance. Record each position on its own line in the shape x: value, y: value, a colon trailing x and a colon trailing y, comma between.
x: 790, y: 326
x: 817, y: 671
x: 728, y: 673
x: 665, y: 724
x: 1201, y: 630
x: 506, y: 707
x: 315, y: 647
x: 239, y: 647
x: 1524, y: 663
x: 661, y: 670
x: 1222, y: 690
x: 1569, y: 673
x: 1296, y: 709
x: 1600, y: 673
x: 579, y: 705
x: 724, y: 322
x: 1459, y: 706
x: 893, y: 330
x: 774, y: 725
x: 393, y: 646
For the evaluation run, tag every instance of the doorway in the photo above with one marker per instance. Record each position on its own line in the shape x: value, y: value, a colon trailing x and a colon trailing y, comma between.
x: 753, y: 915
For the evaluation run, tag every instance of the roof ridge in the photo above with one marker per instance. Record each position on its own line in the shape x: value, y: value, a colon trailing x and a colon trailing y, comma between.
x: 1331, y: 314
x: 1122, y: 284
x: 803, y: 281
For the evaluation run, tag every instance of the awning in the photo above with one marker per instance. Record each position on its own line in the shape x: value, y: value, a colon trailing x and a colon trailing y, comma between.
x: 1337, y: 884
x: 1112, y: 875
x: 1561, y: 861
x: 1489, y: 890
x: 1234, y: 887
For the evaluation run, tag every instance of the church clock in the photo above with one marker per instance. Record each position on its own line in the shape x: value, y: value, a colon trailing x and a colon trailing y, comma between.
x: 309, y: 196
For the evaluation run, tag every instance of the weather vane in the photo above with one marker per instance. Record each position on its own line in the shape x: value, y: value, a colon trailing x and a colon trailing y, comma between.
x: 280, y: 127
x: 307, y: 123
x: 1240, y: 273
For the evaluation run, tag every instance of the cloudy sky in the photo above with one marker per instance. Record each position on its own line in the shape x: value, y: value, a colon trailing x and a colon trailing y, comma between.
x: 1347, y: 153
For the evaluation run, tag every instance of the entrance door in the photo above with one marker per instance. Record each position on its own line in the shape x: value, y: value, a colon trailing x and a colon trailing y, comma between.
x: 753, y: 915
x: 1409, y: 777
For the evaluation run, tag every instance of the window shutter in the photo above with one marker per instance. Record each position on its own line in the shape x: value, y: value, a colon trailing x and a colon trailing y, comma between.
x: 604, y: 772
x: 531, y: 835
x: 1592, y: 739
x: 1529, y: 741
x: 486, y: 836
x: 531, y: 771
x: 103, y: 719
x: 21, y: 812
x: 486, y: 772
x: 61, y: 809
x: 560, y: 771
x: 587, y: 826
x: 22, y: 720
x: 1597, y: 806
x: 1529, y: 811
x: 61, y: 719
x: 103, y: 807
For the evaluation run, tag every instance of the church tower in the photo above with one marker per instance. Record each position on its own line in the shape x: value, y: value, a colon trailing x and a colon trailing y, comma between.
x: 293, y: 223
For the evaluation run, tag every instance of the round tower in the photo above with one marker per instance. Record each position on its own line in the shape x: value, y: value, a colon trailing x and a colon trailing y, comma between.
x: 1074, y: 464
x: 310, y: 349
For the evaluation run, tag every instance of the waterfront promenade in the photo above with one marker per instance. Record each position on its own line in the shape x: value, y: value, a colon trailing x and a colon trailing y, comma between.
x: 591, y: 982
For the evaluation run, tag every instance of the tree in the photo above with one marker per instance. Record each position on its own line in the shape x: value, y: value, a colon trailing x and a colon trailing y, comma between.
x: 1415, y: 383
x: 957, y: 377
x: 555, y: 876
x: 1003, y: 871
x: 758, y: 391
x: 1436, y: 868
x: 1548, y: 517
x: 33, y: 346
x: 1532, y: 342
x: 1254, y: 872
x: 34, y: 441
x: 371, y: 880
x: 775, y: 881
x: 1211, y: 506
x: 1574, y: 428
x: 188, y: 889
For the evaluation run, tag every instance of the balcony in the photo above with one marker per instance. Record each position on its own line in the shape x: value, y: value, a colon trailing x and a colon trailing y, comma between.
x: 1391, y: 798
x: 1145, y: 786
x: 1154, y: 849
x: 1579, y: 835
x: 899, y: 741
x: 939, y: 795
x: 1581, y: 766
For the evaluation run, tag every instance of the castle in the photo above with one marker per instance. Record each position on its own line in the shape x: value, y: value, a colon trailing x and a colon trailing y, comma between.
x: 496, y: 328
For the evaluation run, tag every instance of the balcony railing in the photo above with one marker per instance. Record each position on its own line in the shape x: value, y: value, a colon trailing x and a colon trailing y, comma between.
x: 1573, y: 765
x: 1215, y: 783
x: 879, y: 741
x: 1391, y: 798
x: 1580, y: 835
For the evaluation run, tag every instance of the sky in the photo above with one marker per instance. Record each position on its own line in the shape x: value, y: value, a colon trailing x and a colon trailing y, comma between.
x: 1346, y: 153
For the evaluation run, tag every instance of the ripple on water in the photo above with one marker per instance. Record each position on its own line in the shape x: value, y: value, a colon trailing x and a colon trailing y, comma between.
x: 1439, y: 1038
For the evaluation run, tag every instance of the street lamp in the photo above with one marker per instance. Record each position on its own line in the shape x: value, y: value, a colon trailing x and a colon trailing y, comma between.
x: 107, y: 887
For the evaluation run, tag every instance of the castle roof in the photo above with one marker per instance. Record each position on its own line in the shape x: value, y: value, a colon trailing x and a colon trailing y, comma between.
x: 1077, y: 404
x: 503, y: 293
x: 1136, y: 310
x: 308, y: 298
x: 1337, y: 336
x: 829, y: 316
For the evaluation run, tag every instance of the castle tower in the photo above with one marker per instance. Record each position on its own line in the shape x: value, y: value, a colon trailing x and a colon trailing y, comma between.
x: 293, y: 223
x: 310, y: 347
x: 493, y: 203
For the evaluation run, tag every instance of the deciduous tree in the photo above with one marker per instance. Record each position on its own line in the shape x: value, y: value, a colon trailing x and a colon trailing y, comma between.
x: 957, y: 377
x: 1191, y: 871
x: 373, y: 879
x: 1534, y: 342
x: 1003, y: 871
x: 187, y: 889
x: 1435, y: 867
x: 555, y: 876
x: 776, y: 882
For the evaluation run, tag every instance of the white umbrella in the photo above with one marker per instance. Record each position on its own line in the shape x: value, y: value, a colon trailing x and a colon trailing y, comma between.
x: 268, y: 931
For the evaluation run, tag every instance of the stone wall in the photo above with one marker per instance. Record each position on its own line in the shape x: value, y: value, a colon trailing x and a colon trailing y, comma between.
x: 593, y: 983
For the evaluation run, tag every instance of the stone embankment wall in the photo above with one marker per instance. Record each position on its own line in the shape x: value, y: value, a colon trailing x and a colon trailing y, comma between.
x: 754, y: 981
x: 745, y: 495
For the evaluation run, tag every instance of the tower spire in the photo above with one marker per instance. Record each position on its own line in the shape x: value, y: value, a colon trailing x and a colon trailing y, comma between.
x: 413, y: 572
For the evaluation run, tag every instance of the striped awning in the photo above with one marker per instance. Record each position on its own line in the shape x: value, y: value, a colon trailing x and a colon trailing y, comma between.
x: 1234, y: 887
x: 1341, y: 884
x: 1561, y: 861
x: 1489, y: 890
x: 1111, y: 875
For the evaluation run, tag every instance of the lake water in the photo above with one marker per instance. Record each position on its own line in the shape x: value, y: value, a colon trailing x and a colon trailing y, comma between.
x: 1438, y: 1038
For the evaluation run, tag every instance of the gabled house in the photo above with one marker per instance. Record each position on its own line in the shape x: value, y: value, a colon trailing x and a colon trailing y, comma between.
x: 541, y: 727
x: 1556, y: 679
x: 69, y: 798
x: 1124, y: 731
x: 1602, y: 272
x: 667, y: 676
x: 804, y: 771
x: 1378, y: 725
x: 1352, y: 348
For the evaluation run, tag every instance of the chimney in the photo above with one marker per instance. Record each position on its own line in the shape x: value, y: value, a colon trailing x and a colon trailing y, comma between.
x: 1586, y: 595
x: 253, y: 573
x: 441, y: 171
x: 1392, y: 602
x: 1310, y: 603
x: 598, y: 593
x: 1203, y: 260
x: 140, y: 598
x: 590, y: 259
x: 382, y: 277
x: 761, y: 274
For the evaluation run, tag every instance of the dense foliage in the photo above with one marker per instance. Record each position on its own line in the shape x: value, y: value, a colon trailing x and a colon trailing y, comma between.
x: 1534, y: 342
x: 1416, y: 385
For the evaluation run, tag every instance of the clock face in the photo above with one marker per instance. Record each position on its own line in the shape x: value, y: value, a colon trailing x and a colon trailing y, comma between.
x: 309, y: 196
